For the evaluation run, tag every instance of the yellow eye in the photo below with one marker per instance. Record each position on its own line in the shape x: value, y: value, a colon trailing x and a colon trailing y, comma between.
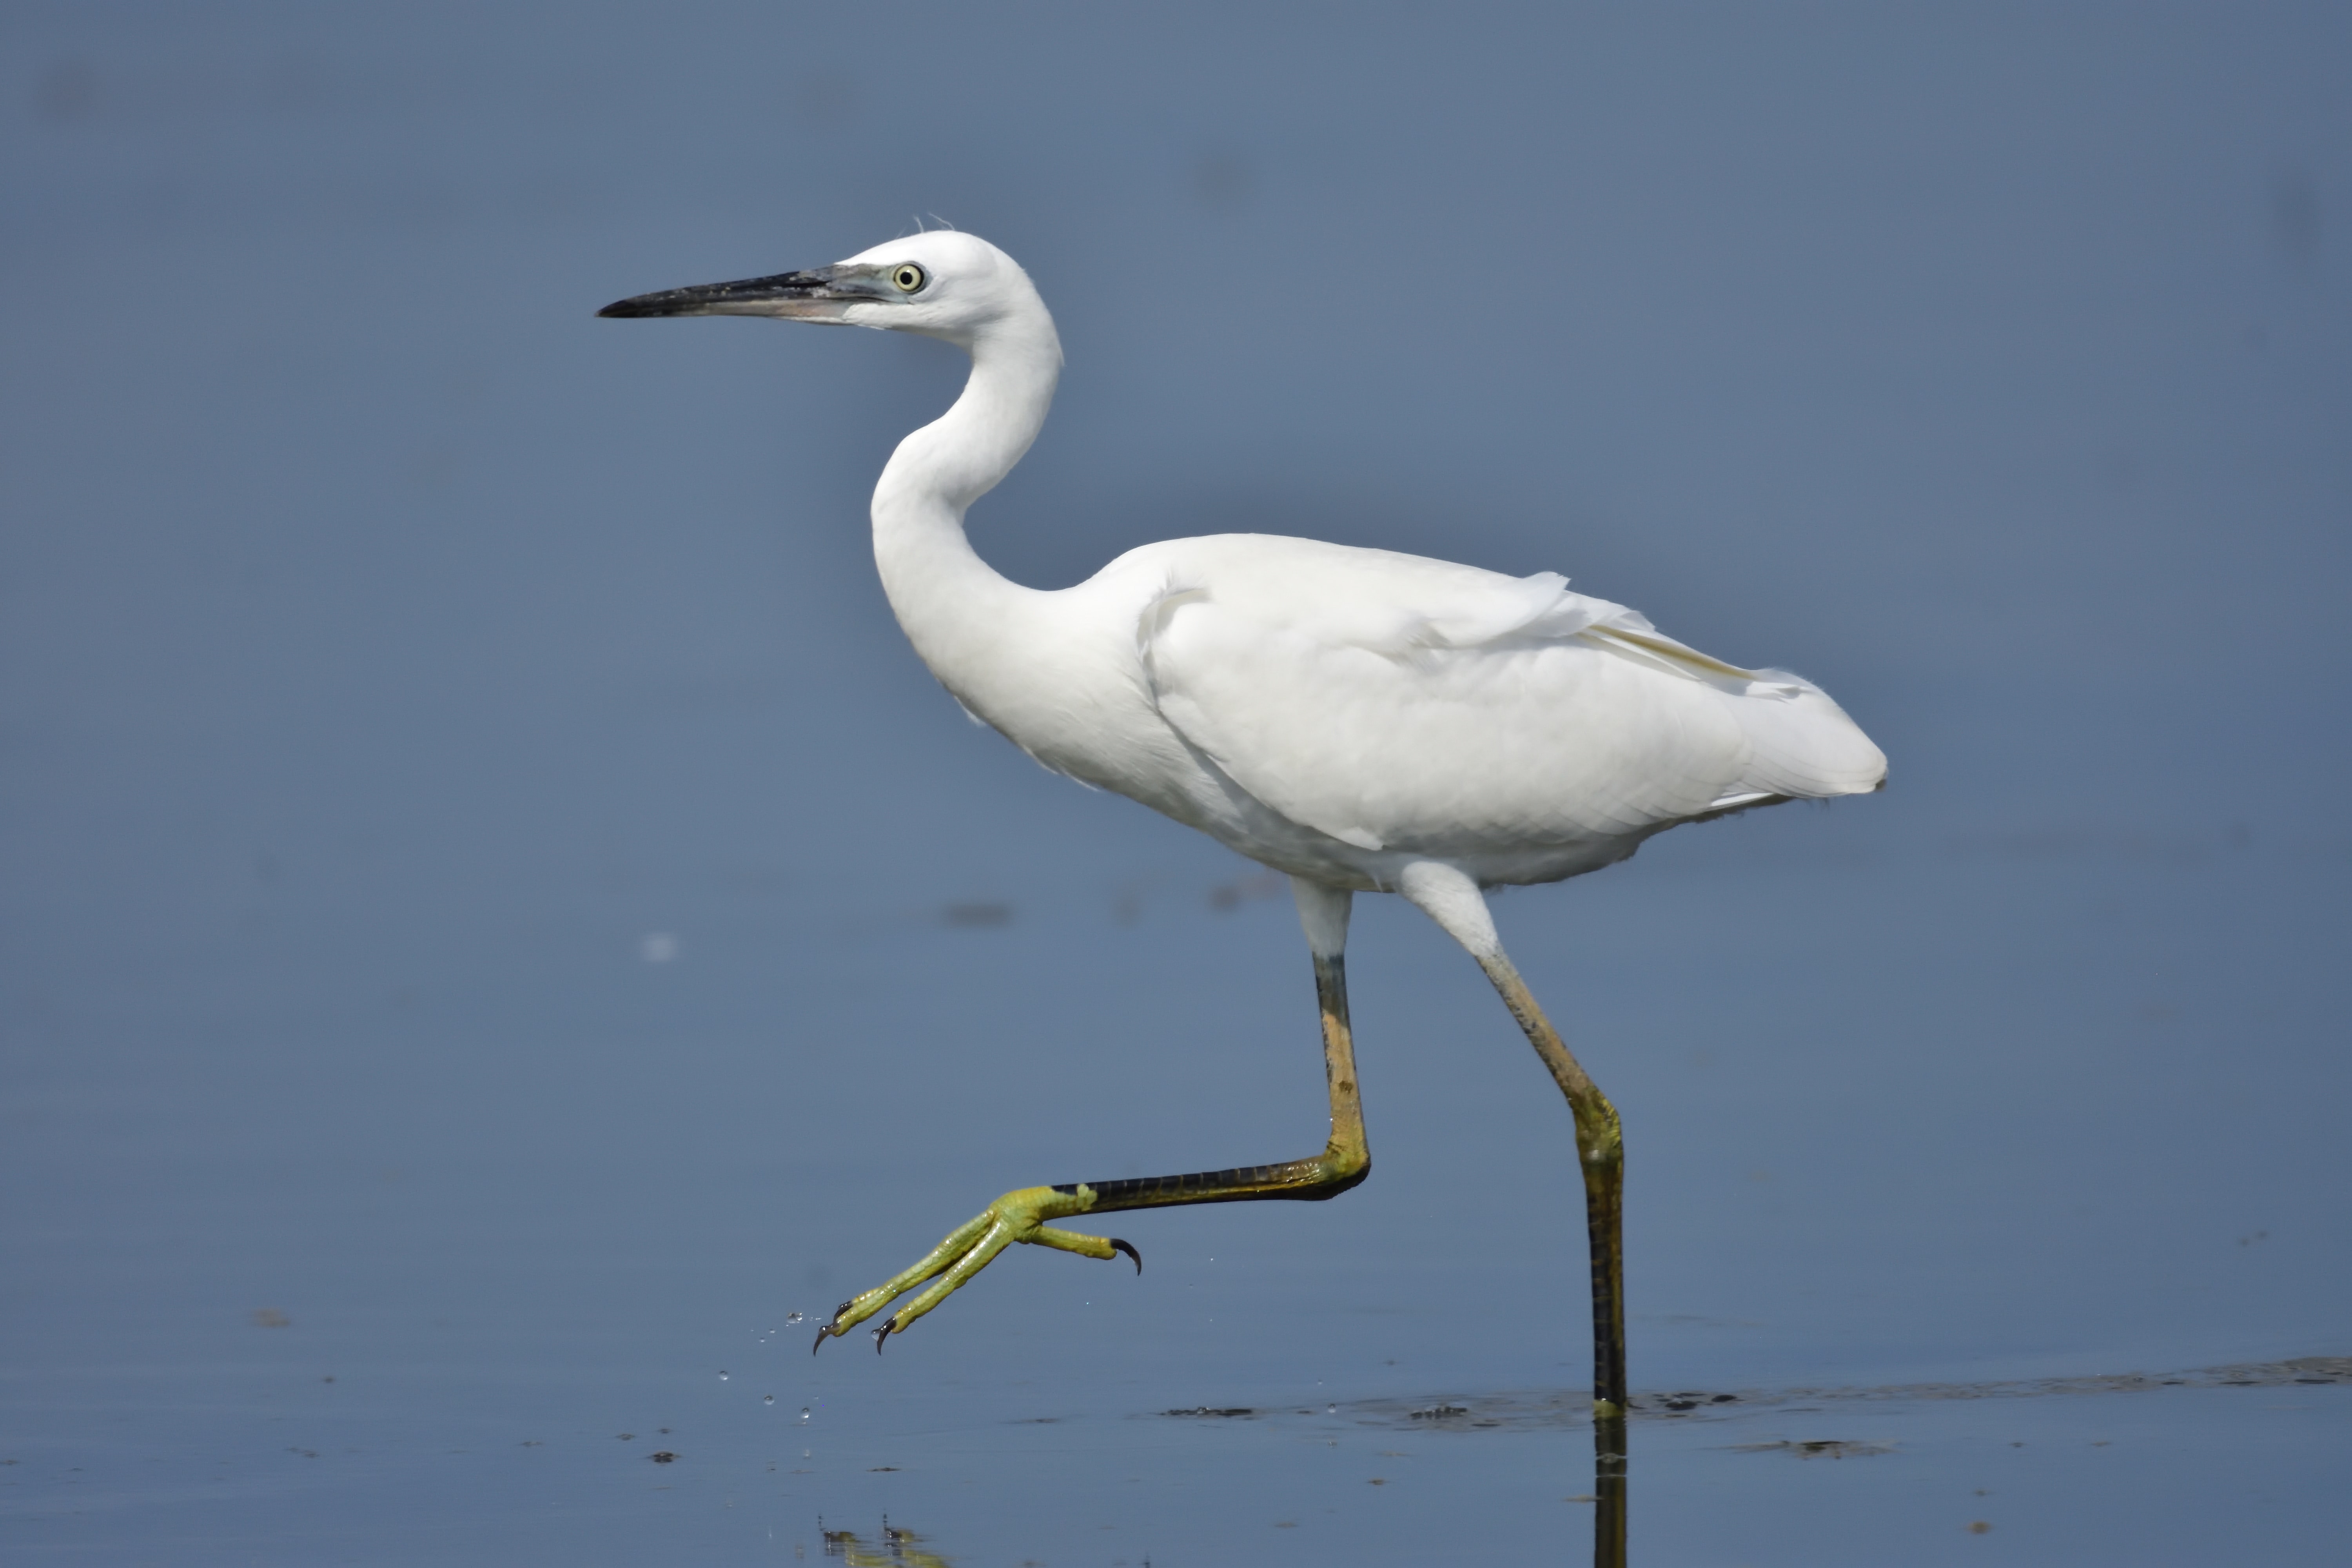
x: 908, y: 277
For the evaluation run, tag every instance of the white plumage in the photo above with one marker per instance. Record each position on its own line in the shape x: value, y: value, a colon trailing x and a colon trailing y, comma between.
x: 1408, y: 707
x: 1363, y: 720
x: 1335, y: 712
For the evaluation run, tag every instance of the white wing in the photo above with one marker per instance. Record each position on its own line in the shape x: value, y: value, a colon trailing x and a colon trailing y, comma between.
x: 1398, y: 703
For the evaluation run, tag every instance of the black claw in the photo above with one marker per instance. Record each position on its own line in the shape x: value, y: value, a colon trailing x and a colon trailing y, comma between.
x: 880, y: 1334
x: 1118, y: 1246
x: 833, y: 1326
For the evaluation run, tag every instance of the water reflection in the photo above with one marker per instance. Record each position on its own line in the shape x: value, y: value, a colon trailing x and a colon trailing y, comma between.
x: 897, y: 1548
x: 1608, y: 1521
x: 1694, y: 1410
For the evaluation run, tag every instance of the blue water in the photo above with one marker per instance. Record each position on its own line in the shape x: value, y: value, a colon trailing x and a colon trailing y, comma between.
x: 495, y: 918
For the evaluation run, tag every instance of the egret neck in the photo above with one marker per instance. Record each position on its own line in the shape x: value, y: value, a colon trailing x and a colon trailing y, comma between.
x: 962, y: 615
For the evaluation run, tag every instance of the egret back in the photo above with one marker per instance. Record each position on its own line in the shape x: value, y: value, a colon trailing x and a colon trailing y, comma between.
x: 1407, y: 705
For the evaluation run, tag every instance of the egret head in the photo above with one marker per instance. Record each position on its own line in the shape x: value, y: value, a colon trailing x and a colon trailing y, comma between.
x: 942, y: 284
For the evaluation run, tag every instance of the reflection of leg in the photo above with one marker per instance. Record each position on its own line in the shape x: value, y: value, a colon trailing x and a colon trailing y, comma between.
x: 1608, y: 1491
x: 896, y: 1549
x: 1021, y: 1216
x: 1453, y: 902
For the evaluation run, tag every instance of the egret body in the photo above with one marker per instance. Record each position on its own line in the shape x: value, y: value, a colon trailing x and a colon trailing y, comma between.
x: 1363, y: 721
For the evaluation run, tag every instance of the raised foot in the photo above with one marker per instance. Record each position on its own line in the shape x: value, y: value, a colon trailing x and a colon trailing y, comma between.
x: 973, y: 1247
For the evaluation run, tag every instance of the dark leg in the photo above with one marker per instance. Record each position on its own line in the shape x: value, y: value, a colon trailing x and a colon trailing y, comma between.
x: 1609, y: 1492
x: 1021, y: 1216
x: 1448, y: 896
x: 1345, y: 1160
x: 1600, y: 1154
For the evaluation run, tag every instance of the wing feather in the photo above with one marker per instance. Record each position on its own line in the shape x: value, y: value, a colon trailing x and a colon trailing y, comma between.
x: 1398, y: 703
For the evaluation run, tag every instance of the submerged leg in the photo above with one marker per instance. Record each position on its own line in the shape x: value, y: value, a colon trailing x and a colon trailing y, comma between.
x: 1451, y: 899
x: 1021, y: 1216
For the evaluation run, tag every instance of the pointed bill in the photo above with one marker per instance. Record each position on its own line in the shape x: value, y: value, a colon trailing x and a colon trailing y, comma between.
x: 818, y: 294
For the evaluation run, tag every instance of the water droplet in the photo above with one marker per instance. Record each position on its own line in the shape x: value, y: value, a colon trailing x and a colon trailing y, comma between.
x: 791, y: 1317
x: 770, y: 1399
x: 722, y: 1375
x: 804, y: 1415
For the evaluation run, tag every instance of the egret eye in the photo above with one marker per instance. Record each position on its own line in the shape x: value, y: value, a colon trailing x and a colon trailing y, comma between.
x: 908, y: 277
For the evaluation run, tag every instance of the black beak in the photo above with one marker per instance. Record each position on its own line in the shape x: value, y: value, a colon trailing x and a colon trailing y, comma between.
x: 773, y: 296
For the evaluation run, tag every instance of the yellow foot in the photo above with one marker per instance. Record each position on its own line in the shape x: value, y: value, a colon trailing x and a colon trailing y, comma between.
x: 970, y: 1247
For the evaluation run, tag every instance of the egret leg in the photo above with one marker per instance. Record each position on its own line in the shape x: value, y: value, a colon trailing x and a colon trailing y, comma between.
x: 1601, y: 1153
x: 1451, y: 900
x: 1023, y: 1216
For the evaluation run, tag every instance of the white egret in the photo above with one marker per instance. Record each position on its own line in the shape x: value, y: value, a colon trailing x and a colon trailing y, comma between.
x: 1363, y: 721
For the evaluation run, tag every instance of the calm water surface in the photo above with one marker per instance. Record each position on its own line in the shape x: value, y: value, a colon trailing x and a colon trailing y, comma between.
x: 496, y: 920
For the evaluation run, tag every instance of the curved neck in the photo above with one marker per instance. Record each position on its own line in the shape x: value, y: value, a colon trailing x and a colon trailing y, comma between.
x: 961, y: 456
x: 951, y: 603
